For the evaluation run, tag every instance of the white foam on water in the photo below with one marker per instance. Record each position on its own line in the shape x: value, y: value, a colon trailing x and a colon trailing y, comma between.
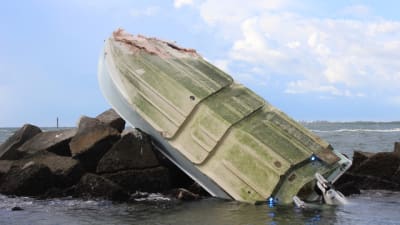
x: 358, y: 130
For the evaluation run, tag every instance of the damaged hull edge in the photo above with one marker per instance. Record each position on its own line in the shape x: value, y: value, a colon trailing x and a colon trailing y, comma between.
x: 224, y: 136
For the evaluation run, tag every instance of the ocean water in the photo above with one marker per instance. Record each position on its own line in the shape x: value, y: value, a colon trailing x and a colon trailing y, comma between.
x: 371, y: 207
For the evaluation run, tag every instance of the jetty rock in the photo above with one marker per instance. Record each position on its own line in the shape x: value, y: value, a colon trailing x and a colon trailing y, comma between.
x: 5, y: 166
x: 8, y: 150
x: 132, y: 164
x: 52, y: 141
x: 32, y: 179
x: 382, y: 165
x: 92, y: 140
x: 371, y: 171
x: 95, y: 186
x: 113, y: 119
x: 98, y: 159
x: 41, y: 172
x: 132, y: 151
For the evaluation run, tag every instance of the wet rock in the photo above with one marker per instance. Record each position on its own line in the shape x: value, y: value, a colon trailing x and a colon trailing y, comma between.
x: 8, y: 150
x: 178, y: 178
x: 139, y: 195
x: 16, y: 208
x: 92, y: 140
x: 397, y: 148
x: 148, y: 180
x: 52, y: 141
x: 185, y: 195
x: 132, y: 151
x: 31, y: 179
x: 95, y: 186
x: 359, y: 157
x: 349, y: 188
x: 381, y: 165
x: 113, y: 119
x: 349, y: 183
x: 197, y: 189
x: 5, y: 166
x: 396, y: 176
x: 66, y: 170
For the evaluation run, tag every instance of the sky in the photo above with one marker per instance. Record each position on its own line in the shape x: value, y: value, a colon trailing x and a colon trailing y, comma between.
x: 314, y: 60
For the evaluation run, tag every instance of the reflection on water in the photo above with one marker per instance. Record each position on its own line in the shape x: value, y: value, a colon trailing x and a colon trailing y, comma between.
x: 373, y: 207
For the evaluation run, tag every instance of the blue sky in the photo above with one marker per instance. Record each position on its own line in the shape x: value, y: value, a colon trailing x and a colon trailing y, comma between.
x: 314, y: 60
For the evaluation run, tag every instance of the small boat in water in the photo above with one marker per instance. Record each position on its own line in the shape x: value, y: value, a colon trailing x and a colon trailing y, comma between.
x: 227, y: 138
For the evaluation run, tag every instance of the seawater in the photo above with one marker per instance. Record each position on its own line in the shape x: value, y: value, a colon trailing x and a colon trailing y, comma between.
x: 371, y: 207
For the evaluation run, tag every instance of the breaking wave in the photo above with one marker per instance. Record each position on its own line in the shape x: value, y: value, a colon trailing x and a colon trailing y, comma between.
x: 358, y: 130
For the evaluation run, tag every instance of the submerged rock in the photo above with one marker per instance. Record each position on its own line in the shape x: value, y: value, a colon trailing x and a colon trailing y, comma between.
x: 91, y: 141
x: 52, y: 141
x: 148, y: 180
x: 132, y: 151
x: 16, y: 208
x: 95, y: 186
x: 111, y: 118
x: 8, y: 150
x: 185, y: 195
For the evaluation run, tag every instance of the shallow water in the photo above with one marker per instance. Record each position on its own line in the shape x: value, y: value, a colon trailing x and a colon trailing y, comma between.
x: 371, y: 207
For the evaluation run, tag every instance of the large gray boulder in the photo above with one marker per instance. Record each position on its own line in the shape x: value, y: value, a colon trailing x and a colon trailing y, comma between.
x: 31, y: 179
x: 113, y: 119
x: 132, y: 151
x: 351, y: 183
x: 91, y: 141
x: 66, y: 170
x: 396, y: 176
x: 148, y: 180
x: 95, y: 186
x: 381, y: 165
x: 51, y: 141
x: 397, y: 148
x: 8, y: 150
x: 5, y: 166
x: 359, y: 157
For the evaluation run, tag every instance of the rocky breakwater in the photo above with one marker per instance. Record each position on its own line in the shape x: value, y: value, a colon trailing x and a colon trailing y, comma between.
x: 372, y: 171
x: 98, y: 159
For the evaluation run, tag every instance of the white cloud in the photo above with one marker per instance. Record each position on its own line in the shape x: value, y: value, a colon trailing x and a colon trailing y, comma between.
x: 357, y: 11
x: 180, y: 3
x: 341, y: 57
x: 305, y: 86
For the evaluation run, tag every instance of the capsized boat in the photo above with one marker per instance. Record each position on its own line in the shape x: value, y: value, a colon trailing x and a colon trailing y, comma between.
x: 227, y: 138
